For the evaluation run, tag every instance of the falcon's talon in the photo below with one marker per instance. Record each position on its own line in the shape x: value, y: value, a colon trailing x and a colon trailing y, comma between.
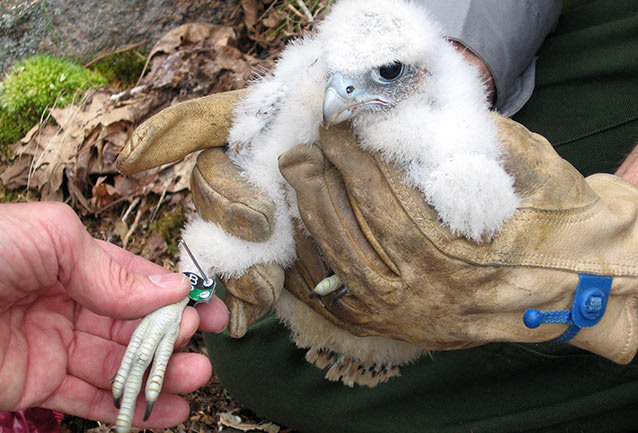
x: 153, y: 339
x: 340, y: 292
x: 149, y: 409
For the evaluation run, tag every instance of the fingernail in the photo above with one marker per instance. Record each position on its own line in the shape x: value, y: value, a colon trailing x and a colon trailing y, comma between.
x: 168, y: 280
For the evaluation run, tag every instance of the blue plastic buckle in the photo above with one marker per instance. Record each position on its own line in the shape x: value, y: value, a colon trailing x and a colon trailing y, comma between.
x: 588, y: 308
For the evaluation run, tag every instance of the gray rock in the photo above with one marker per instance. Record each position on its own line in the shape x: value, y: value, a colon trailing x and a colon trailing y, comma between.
x: 83, y: 29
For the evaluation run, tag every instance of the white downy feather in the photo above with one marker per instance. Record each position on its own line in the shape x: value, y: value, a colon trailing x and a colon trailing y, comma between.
x: 441, y: 133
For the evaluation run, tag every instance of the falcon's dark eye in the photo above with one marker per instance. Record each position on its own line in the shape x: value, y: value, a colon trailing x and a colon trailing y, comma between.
x: 391, y: 72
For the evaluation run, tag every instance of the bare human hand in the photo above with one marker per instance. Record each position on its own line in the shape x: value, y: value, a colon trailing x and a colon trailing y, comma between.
x: 67, y: 304
x: 484, y: 71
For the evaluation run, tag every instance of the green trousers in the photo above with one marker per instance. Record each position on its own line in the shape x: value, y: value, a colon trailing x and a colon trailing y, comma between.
x: 586, y: 104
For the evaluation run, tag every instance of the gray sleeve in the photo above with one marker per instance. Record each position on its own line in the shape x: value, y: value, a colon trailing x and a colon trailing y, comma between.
x: 505, y: 34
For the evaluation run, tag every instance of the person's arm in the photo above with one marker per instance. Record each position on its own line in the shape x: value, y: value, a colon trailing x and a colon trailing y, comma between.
x: 505, y: 35
x: 629, y: 168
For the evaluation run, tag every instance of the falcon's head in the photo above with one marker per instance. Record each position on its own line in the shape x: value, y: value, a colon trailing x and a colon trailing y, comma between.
x: 377, y: 54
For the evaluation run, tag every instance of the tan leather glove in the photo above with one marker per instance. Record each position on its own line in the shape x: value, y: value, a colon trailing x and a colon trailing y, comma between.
x: 220, y: 194
x: 409, y: 278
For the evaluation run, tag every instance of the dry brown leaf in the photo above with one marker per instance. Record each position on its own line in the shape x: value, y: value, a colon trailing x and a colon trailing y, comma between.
x: 16, y: 175
x: 175, y: 177
x: 251, y: 9
x: 127, y: 184
x: 75, y: 158
x: 154, y: 246
x: 273, y: 19
x: 199, y: 59
x: 104, y: 194
x: 121, y: 227
x: 231, y: 420
x: 187, y: 36
x: 46, y: 173
x: 29, y: 135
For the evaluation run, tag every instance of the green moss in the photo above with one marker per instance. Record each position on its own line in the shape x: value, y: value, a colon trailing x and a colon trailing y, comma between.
x: 123, y: 69
x: 36, y: 83
x: 10, y: 130
x: 10, y: 196
x: 170, y: 227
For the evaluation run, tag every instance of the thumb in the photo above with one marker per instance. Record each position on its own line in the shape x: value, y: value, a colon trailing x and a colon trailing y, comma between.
x: 122, y: 285
x: 103, y: 277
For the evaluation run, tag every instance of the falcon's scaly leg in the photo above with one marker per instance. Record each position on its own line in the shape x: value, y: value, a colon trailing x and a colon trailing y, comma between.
x: 154, y: 337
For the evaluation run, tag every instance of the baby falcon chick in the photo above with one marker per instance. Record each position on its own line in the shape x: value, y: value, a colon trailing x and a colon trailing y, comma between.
x: 409, y: 95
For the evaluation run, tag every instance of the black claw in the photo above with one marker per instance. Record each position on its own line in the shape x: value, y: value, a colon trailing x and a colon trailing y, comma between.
x: 117, y: 401
x: 149, y: 409
x: 340, y: 292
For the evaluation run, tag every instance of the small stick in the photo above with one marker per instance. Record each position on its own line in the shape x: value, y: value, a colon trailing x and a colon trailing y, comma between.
x: 136, y: 222
x: 159, y: 203
x: 305, y: 10
x: 296, y: 12
x: 117, y: 51
x: 130, y: 208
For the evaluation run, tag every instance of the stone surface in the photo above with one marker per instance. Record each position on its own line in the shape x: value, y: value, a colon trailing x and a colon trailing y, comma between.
x: 83, y: 29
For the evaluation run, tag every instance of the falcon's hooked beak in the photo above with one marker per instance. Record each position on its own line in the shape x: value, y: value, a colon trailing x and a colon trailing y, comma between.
x: 344, y: 97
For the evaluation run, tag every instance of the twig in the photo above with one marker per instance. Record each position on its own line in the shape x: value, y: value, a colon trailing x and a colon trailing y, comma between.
x: 296, y: 12
x: 159, y: 203
x: 117, y: 51
x: 136, y: 221
x: 78, y: 196
x: 262, y: 16
x: 134, y: 203
x: 148, y: 60
x: 305, y: 10
x: 110, y: 205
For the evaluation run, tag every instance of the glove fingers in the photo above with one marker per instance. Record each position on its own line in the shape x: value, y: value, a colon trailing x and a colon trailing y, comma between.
x: 179, y: 130
x: 301, y: 278
x: 327, y: 213
x: 227, y: 199
x: 384, y: 203
x: 252, y: 295
x: 242, y: 315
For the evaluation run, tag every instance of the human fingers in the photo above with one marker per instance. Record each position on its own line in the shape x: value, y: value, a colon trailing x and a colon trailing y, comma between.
x: 213, y: 316
x: 484, y: 71
x: 120, y: 331
x: 130, y: 261
x: 95, y: 361
x: 113, y: 282
x: 79, y: 398
x: 327, y: 212
x: 48, y: 247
